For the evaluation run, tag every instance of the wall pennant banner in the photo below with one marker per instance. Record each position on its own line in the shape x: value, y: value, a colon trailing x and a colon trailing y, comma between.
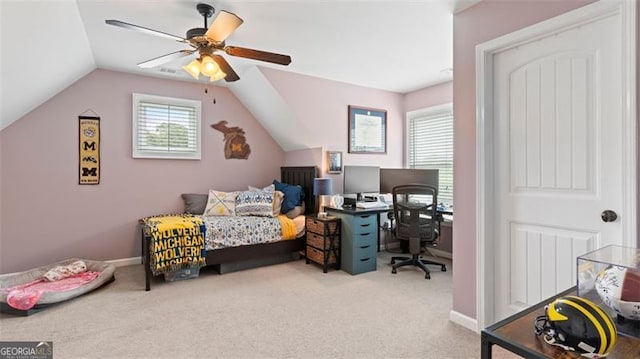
x: 89, y: 150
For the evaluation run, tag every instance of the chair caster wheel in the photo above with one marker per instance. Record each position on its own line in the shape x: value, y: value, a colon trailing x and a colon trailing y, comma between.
x: 443, y: 268
x: 427, y: 276
x: 393, y: 271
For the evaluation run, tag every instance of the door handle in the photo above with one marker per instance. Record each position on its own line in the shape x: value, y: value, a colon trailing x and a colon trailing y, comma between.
x: 608, y: 216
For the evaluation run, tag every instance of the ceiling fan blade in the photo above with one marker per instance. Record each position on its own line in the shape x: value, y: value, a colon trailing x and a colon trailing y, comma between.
x: 258, y: 55
x: 144, y: 29
x: 165, y: 58
x: 226, y: 68
x: 223, y: 25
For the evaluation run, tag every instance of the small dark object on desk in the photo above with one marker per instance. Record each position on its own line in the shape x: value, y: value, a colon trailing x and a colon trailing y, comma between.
x: 349, y: 203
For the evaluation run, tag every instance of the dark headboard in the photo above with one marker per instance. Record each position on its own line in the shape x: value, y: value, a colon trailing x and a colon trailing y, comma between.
x: 302, y: 176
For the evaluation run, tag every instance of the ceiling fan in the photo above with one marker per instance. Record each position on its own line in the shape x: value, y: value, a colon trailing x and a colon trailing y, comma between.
x: 207, y: 42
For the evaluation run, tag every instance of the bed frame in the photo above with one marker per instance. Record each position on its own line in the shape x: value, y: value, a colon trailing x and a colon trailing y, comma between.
x: 302, y: 176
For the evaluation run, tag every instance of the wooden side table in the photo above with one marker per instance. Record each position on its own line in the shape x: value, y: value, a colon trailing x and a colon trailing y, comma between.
x: 323, y: 241
x: 517, y: 335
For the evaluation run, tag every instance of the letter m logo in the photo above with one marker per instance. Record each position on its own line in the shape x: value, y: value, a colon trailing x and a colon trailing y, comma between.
x: 89, y: 145
x: 86, y: 172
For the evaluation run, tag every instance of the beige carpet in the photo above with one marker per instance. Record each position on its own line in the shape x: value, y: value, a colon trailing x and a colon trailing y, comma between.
x: 289, y: 310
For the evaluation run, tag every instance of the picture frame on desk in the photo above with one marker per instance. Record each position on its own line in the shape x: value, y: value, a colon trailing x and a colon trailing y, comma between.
x: 367, y: 130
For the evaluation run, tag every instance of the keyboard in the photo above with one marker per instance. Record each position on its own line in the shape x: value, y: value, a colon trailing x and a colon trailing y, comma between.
x: 368, y: 205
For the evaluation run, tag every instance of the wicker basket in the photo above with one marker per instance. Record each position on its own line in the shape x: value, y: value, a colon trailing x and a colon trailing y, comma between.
x: 318, y: 241
x: 317, y: 256
x: 316, y: 226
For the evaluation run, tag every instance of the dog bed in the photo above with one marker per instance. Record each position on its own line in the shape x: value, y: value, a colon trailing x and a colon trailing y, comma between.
x: 47, y: 298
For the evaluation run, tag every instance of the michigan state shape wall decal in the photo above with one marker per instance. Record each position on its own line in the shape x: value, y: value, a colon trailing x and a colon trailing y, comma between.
x: 89, y: 150
x: 235, y: 144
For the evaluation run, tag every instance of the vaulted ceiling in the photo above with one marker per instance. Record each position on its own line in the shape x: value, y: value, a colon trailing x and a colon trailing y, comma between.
x: 398, y: 46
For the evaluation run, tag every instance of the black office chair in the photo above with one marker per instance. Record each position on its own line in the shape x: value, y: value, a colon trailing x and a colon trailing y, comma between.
x: 416, y: 221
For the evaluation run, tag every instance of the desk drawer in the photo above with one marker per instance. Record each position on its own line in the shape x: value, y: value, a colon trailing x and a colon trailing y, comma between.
x: 362, y: 265
x: 365, y: 250
x: 365, y: 220
x: 367, y: 238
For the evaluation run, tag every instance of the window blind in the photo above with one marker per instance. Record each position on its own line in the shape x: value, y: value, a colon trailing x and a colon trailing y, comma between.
x: 166, y: 128
x: 430, y: 142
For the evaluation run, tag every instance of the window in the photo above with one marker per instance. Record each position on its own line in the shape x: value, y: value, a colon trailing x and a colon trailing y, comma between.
x: 430, y: 145
x: 165, y: 127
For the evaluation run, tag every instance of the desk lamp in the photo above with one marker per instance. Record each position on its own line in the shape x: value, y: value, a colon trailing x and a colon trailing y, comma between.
x: 321, y: 188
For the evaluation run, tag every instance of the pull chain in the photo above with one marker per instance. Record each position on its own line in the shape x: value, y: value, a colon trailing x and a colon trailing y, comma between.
x: 206, y: 90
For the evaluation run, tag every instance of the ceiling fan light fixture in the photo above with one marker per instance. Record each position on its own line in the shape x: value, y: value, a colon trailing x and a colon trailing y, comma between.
x: 208, y: 67
x: 218, y: 76
x: 205, y: 42
x: 193, y: 68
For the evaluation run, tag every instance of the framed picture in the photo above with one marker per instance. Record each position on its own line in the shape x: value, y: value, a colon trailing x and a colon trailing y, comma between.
x: 334, y: 158
x: 367, y: 130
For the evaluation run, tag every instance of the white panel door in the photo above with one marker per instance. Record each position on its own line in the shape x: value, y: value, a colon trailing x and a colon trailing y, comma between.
x: 557, y: 152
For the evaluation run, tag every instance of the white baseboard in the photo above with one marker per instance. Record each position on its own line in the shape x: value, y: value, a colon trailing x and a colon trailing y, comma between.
x: 463, y: 320
x: 439, y: 253
x: 392, y: 245
x: 116, y: 262
x: 125, y: 261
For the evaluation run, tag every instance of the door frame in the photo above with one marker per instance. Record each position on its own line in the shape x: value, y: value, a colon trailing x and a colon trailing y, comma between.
x: 485, y: 170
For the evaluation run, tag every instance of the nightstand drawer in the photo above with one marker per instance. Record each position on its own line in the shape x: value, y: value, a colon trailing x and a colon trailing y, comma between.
x: 318, y: 256
x: 317, y: 226
x: 319, y: 241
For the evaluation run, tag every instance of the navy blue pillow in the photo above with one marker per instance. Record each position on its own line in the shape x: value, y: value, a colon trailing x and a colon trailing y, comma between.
x: 293, y: 195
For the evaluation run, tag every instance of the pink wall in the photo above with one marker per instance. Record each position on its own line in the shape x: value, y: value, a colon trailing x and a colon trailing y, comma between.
x: 429, y: 96
x: 47, y: 216
x: 308, y: 157
x: 482, y: 22
x: 321, y: 106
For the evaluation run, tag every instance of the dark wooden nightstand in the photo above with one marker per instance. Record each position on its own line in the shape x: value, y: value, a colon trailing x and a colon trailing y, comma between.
x: 323, y: 241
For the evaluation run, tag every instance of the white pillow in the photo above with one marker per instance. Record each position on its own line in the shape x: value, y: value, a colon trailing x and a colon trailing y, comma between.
x: 220, y: 204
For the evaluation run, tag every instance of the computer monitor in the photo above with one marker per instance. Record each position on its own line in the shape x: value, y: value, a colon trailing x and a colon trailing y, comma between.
x: 391, y: 177
x: 361, y: 180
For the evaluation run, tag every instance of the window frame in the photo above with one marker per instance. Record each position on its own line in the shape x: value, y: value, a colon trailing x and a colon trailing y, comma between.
x: 136, y: 152
x: 426, y: 112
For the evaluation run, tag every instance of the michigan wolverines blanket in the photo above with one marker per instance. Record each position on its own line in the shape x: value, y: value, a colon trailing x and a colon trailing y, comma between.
x: 176, y: 242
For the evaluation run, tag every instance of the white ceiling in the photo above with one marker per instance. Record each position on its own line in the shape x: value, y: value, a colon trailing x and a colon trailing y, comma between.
x: 398, y: 46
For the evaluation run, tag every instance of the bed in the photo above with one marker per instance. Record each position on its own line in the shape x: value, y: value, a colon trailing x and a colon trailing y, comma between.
x: 246, y: 256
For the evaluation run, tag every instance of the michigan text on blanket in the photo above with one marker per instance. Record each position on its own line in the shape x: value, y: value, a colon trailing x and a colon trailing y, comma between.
x: 176, y: 246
